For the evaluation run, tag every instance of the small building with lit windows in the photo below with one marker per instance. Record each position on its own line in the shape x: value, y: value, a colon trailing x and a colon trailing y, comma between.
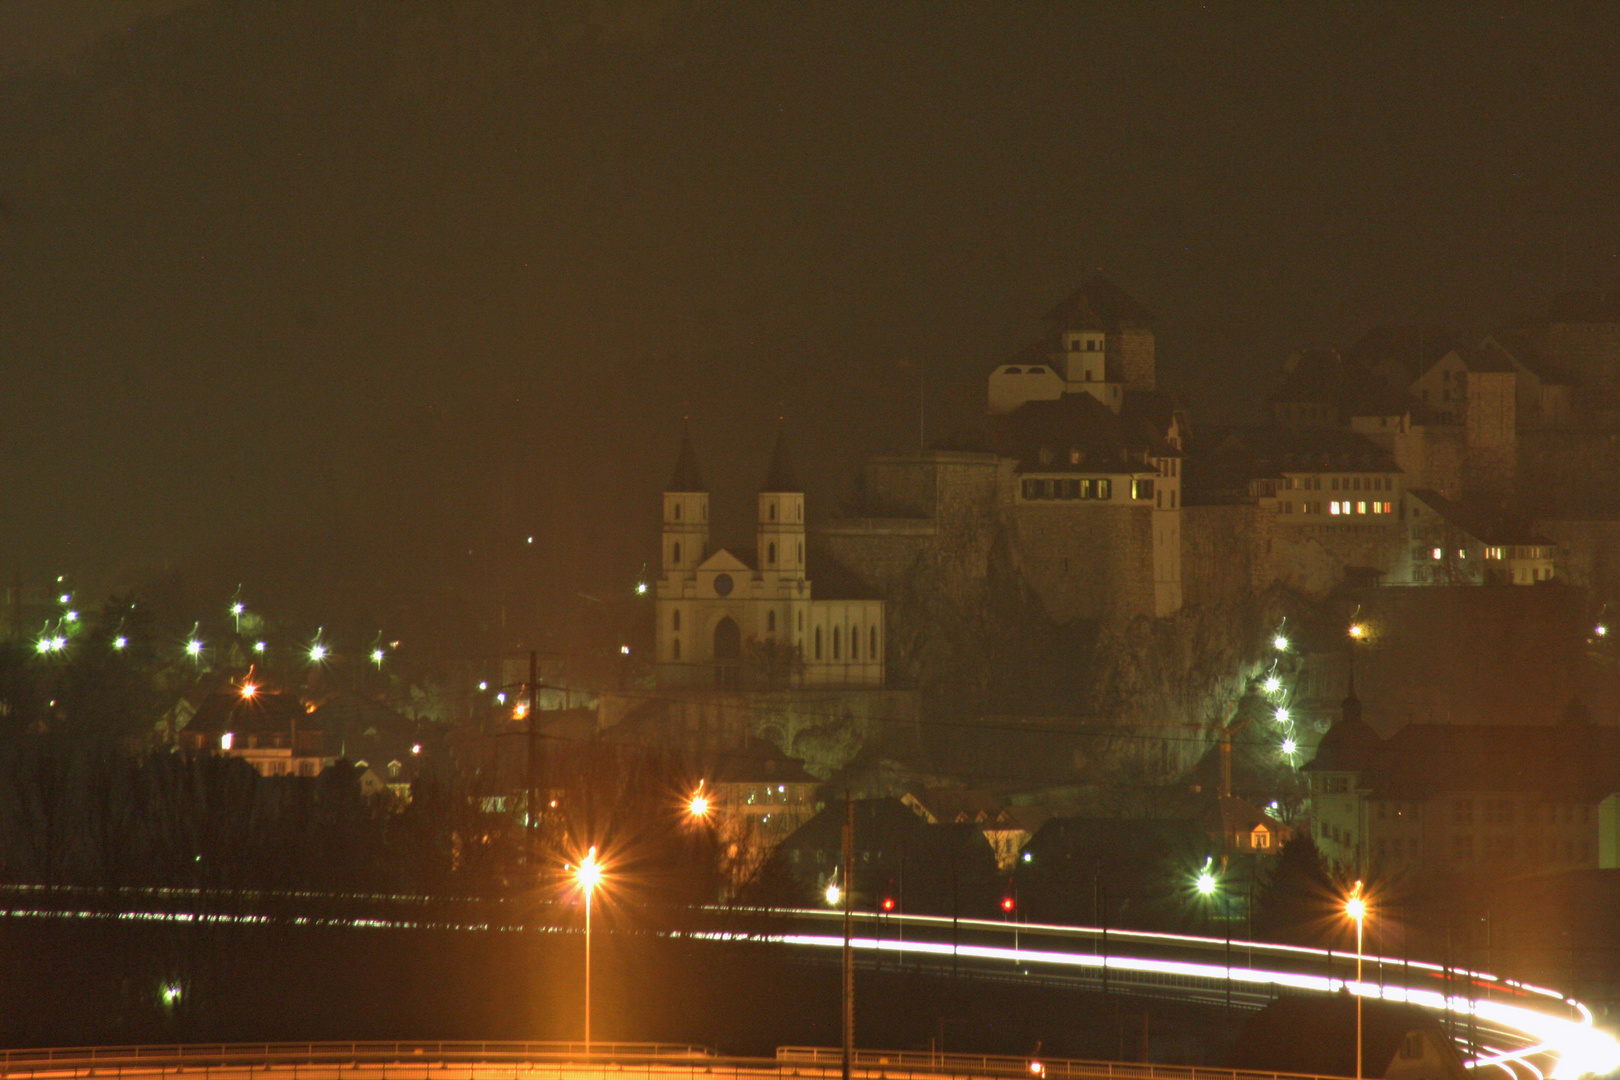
x: 727, y: 622
x: 1468, y: 542
x: 1466, y: 798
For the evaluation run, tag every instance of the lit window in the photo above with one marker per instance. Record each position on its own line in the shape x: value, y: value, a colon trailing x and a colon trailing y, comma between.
x: 1438, y: 554
x: 1333, y: 507
x: 1361, y: 508
x: 1378, y: 508
x: 1462, y: 553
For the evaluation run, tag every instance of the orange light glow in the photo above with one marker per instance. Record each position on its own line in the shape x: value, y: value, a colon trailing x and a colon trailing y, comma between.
x: 249, y: 689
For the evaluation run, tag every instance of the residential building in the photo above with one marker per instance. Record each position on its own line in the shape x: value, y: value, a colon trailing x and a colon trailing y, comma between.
x: 1464, y: 799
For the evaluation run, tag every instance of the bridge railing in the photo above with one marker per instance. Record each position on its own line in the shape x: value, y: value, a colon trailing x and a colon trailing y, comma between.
x: 901, y: 1062
x: 328, y: 1052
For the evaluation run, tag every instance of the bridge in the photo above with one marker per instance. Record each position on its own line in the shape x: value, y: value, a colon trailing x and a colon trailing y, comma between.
x: 557, y: 1061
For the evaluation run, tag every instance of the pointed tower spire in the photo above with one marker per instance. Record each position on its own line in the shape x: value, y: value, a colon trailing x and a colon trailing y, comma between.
x: 1350, y: 708
x: 687, y: 477
x: 781, y: 478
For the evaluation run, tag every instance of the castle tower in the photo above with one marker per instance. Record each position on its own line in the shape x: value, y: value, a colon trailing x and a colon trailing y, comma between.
x: 686, y: 514
x: 781, y: 517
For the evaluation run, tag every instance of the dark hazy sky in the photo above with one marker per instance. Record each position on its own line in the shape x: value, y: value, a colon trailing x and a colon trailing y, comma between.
x: 454, y: 272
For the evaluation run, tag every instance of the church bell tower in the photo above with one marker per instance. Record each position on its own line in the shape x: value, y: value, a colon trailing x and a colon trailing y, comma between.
x: 686, y: 514
x: 781, y: 517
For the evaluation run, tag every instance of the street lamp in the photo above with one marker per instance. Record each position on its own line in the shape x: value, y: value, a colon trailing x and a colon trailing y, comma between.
x: 1355, y: 906
x: 588, y: 875
x: 698, y: 805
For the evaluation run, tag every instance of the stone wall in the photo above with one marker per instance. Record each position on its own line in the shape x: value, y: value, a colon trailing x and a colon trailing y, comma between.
x: 1573, y: 470
x: 1432, y: 459
x: 823, y: 728
x: 1490, y: 433
x: 1087, y: 561
x: 1218, y: 552
x: 1133, y: 354
x: 1313, y: 559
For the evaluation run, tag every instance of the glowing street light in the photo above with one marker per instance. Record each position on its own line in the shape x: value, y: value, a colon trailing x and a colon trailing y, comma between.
x: 70, y: 616
x: 1358, y: 630
x: 698, y: 805
x: 120, y: 642
x: 588, y: 875
x: 833, y: 894
x: 317, y: 653
x: 194, y: 649
x: 1601, y: 630
x: 1205, y: 882
x: 1355, y: 906
x: 1280, y: 643
x: 249, y: 690
x: 1282, y: 714
x: 1289, y: 748
x: 1272, y: 684
x: 377, y: 656
x: 641, y: 588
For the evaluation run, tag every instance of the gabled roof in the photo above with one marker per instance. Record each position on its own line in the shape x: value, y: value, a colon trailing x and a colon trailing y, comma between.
x: 1106, y: 441
x: 725, y: 561
x: 1112, y: 306
x: 1483, y: 521
x: 687, y: 477
x: 780, y: 478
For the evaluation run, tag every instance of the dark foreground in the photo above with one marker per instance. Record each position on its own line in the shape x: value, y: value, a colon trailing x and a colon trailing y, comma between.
x: 84, y: 983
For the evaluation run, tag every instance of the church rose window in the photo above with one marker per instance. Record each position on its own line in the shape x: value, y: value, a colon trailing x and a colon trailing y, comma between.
x: 723, y: 584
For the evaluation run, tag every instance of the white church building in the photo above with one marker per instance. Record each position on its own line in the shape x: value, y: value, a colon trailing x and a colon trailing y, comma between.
x: 729, y: 623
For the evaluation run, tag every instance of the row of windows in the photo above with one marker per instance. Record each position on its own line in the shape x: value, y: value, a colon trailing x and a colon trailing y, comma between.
x: 1028, y: 371
x: 1085, y: 344
x: 854, y: 644
x: 1507, y: 849
x: 1520, y: 551
x: 1337, y: 506
x: 1068, y: 489
x: 1339, y: 483
x: 1502, y: 812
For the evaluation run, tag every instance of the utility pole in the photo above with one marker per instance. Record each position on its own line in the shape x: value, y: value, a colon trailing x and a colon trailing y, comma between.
x: 534, y: 749
x: 849, y: 951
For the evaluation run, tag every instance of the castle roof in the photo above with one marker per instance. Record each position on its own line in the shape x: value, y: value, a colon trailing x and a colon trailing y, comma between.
x: 1078, y: 315
x: 780, y: 478
x: 1107, y: 303
x: 687, y: 477
x: 1046, y: 436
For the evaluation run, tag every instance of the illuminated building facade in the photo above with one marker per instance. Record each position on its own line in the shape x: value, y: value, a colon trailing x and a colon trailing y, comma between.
x: 725, y: 622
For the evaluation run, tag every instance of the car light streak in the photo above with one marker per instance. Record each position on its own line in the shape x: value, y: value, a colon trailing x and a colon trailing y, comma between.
x: 1578, y: 1048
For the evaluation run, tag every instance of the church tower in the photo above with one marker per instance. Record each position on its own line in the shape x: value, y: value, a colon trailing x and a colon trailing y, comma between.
x: 686, y: 514
x: 781, y: 518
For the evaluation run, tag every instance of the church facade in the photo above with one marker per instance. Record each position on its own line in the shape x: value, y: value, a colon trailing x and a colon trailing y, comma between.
x: 726, y: 622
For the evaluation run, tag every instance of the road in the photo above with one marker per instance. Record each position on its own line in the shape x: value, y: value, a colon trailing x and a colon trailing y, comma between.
x: 1527, y: 1031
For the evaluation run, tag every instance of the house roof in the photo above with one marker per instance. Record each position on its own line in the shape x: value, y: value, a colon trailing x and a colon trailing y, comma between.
x: 1112, y: 306
x: 1484, y: 521
x: 1055, y: 430
x: 687, y: 477
x: 228, y: 710
x: 980, y: 808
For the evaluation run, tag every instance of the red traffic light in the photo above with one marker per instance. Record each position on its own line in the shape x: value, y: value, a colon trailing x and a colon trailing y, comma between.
x: 888, y: 903
x: 1006, y: 903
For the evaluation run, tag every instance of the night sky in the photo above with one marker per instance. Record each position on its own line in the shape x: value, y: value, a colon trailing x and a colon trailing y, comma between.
x: 402, y: 281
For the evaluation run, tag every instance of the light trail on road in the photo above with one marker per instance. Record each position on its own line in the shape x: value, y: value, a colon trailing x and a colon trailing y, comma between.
x: 1557, y: 1029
